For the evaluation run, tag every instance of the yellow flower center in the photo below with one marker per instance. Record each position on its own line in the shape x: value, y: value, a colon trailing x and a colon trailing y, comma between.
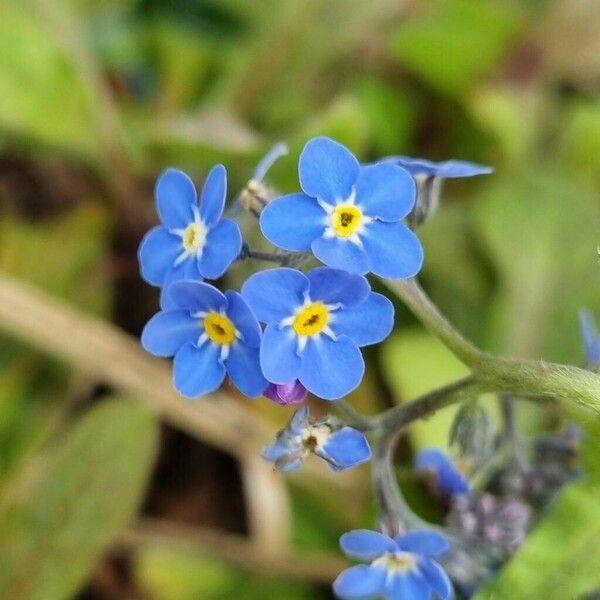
x: 194, y: 236
x: 312, y: 319
x: 346, y: 219
x: 400, y: 562
x: 219, y: 328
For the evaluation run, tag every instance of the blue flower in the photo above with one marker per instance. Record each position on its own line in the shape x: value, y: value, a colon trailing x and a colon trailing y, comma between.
x: 400, y: 569
x: 210, y: 334
x: 448, y: 480
x: 315, y: 326
x: 349, y: 216
x: 342, y: 447
x: 193, y: 241
x: 591, y: 339
x: 449, y: 169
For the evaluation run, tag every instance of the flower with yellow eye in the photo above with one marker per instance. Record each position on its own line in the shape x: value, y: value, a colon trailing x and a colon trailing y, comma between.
x: 210, y: 334
x: 193, y: 242
x: 348, y: 215
x: 315, y: 325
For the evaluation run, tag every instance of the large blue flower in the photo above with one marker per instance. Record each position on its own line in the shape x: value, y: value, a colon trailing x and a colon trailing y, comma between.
x: 341, y: 447
x: 210, y: 334
x: 399, y: 569
x: 193, y: 241
x: 350, y: 216
x: 447, y: 479
x: 315, y: 326
x: 591, y: 339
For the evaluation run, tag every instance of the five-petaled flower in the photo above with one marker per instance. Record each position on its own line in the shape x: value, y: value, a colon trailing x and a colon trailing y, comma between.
x: 348, y: 215
x: 447, y: 480
x: 399, y: 569
x: 315, y: 326
x: 341, y: 447
x: 193, y: 241
x: 209, y: 334
x: 591, y: 339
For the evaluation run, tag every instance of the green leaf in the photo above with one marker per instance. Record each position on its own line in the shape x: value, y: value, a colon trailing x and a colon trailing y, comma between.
x: 51, y: 539
x: 450, y: 43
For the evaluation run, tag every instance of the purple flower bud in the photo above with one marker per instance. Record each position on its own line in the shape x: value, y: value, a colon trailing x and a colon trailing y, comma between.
x: 285, y: 394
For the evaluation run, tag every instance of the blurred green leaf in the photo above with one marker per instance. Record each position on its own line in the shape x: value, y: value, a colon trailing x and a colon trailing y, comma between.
x: 450, y: 43
x: 50, y: 541
x: 415, y: 363
x: 44, y: 99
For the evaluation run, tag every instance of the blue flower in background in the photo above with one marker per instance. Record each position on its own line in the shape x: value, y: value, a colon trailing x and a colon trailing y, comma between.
x: 591, y: 339
x: 399, y: 569
x: 349, y: 216
x: 193, y: 241
x: 315, y: 326
x: 449, y: 169
x: 210, y: 334
x: 342, y: 447
x: 448, y: 480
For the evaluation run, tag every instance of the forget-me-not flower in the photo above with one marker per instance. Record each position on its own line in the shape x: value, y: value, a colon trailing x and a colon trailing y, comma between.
x: 348, y: 215
x: 591, y: 339
x: 210, y: 334
x: 341, y: 447
x: 315, y: 326
x: 400, y: 568
x: 448, y: 481
x: 193, y: 242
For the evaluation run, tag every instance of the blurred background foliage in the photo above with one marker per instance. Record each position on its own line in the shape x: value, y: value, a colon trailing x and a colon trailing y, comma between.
x: 98, y: 96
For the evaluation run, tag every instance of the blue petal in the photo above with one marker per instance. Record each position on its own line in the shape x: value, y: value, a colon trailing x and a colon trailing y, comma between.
x: 299, y: 421
x: 188, y: 269
x: 197, y: 296
x: 243, y: 319
x: 331, y: 369
x: 436, y: 577
x: 363, y: 544
x: 427, y: 543
x: 447, y: 169
x: 275, y: 294
x: 341, y: 254
x: 591, y: 338
x: 293, y: 222
x: 175, y: 194
x: 333, y: 286
x: 408, y: 585
x: 212, y: 198
x: 223, y: 246
x: 347, y: 448
x: 243, y: 367
x: 385, y: 191
x: 449, y: 479
x: 166, y: 332
x: 276, y: 451
x: 368, y: 323
x: 394, y: 250
x: 289, y: 464
x: 361, y: 582
x: 327, y: 170
x: 198, y: 371
x: 278, y: 358
x: 157, y: 253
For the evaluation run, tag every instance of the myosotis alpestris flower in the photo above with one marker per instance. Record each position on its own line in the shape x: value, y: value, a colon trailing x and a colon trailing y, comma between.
x: 210, y: 334
x: 348, y: 215
x: 193, y: 242
x: 341, y: 447
x: 315, y: 326
x: 400, y: 568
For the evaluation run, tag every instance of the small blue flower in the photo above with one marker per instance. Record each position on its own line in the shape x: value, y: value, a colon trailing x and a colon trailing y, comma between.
x: 400, y: 569
x: 449, y: 169
x: 341, y: 447
x: 591, y: 339
x: 448, y: 480
x: 193, y: 241
x: 349, y: 216
x: 315, y: 326
x: 210, y: 334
